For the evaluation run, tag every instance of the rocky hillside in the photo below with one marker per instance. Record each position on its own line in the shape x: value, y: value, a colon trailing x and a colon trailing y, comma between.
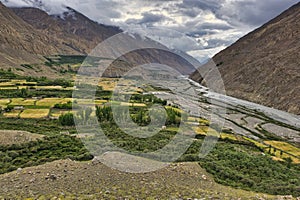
x: 76, y: 30
x: 264, y: 66
x: 21, y: 43
x: 68, y: 179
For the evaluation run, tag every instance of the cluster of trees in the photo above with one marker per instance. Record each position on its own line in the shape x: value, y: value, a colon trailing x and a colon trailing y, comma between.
x: 139, y: 115
x: 251, y: 170
x: 131, y: 143
x: 59, y: 82
x: 41, y: 151
x: 25, y: 93
x: 150, y: 98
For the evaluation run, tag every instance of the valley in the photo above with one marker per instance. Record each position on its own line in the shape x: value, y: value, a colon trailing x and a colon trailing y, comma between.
x: 251, y: 132
x: 123, y: 111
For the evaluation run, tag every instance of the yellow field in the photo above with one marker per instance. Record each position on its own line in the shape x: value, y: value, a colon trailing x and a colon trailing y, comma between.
x: 4, y: 102
x: 134, y: 104
x: 99, y: 102
x: 48, y: 87
x: 66, y: 100
x: 108, y: 84
x: 6, y: 84
x: 229, y: 136
x: 12, y: 114
x: 258, y: 144
x: 35, y: 113
x: 16, y: 101
x: 22, y: 102
x: 193, y: 119
x: 285, y: 147
x: 175, y: 109
x: 199, y: 130
x: 279, y: 145
x: 27, y: 102
x: 49, y: 102
x: 9, y: 88
x: 18, y: 81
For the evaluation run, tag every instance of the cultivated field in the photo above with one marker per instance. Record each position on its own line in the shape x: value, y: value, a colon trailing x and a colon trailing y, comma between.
x: 49, y: 102
x: 35, y: 113
x: 285, y: 147
x: 12, y: 114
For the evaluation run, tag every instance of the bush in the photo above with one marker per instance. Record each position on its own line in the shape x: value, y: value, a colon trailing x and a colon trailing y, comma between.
x: 67, y: 119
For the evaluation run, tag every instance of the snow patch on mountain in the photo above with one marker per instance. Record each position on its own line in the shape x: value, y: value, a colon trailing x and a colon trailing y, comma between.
x: 52, y: 7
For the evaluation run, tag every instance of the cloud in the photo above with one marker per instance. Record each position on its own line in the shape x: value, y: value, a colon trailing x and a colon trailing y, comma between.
x: 148, y: 18
x: 199, y: 27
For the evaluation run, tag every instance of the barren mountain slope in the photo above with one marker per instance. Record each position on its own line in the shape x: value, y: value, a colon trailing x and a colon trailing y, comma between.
x: 264, y: 66
x: 21, y: 43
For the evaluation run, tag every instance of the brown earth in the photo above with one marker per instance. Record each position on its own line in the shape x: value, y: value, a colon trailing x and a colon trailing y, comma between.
x: 68, y: 179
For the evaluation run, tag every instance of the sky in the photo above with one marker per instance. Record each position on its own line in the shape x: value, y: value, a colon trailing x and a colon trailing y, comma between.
x: 200, y: 28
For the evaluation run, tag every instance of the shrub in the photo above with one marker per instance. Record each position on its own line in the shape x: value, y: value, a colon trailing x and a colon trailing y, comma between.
x: 67, y: 119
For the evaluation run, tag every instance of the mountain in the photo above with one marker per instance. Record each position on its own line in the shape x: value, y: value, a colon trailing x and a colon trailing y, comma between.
x: 264, y: 66
x: 76, y: 30
x: 71, y: 33
x: 21, y: 43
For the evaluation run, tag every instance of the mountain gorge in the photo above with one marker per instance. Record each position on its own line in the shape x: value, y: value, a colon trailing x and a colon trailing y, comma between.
x: 263, y: 66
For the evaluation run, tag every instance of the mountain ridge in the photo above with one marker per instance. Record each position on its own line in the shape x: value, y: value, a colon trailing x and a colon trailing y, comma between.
x: 263, y: 66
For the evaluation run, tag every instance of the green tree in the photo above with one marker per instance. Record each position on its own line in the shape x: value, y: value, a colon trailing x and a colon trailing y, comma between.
x: 67, y: 119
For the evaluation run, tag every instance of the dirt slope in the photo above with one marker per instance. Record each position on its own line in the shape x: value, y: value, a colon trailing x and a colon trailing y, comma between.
x: 93, y: 180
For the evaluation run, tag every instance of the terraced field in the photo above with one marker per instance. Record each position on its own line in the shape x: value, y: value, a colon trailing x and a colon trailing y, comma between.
x: 35, y: 113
